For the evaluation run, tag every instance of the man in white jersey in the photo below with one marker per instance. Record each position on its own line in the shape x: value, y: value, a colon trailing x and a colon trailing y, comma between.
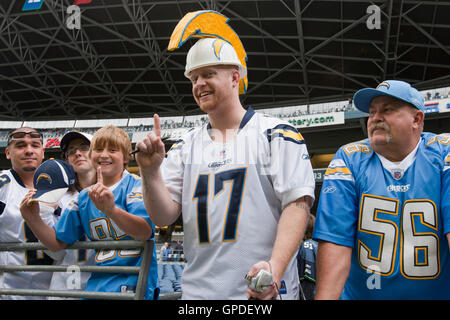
x: 243, y: 182
x: 26, y: 152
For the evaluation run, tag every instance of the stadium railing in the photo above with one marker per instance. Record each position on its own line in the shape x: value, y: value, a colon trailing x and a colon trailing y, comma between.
x: 142, y: 270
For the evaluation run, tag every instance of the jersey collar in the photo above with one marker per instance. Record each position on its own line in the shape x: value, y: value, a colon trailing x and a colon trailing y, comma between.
x: 247, y: 116
x: 17, y: 177
x: 397, y: 169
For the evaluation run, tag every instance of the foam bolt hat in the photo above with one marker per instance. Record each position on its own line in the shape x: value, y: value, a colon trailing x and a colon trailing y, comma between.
x: 52, y: 180
x: 211, y: 24
x: 393, y: 88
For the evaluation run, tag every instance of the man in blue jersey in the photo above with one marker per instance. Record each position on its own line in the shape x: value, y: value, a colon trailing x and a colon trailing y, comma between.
x: 383, y: 219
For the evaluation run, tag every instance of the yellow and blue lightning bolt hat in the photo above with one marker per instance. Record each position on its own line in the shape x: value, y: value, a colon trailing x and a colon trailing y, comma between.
x: 218, y: 44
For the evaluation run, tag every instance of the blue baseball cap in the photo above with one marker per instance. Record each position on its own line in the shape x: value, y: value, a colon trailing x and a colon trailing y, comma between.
x: 52, y: 179
x: 393, y: 88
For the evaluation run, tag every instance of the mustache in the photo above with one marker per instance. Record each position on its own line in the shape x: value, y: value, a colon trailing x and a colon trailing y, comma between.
x: 379, y: 125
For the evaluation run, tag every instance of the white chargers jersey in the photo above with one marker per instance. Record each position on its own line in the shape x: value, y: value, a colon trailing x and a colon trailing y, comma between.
x: 14, y: 229
x: 232, y: 196
x: 72, y: 280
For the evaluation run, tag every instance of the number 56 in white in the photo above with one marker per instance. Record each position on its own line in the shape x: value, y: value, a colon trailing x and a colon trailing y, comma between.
x: 419, y: 251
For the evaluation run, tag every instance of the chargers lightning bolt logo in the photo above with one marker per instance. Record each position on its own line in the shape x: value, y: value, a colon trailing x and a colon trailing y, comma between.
x: 217, y: 44
x: 45, y: 177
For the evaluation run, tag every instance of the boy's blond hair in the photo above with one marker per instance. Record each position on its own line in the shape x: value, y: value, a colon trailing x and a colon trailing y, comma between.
x: 115, y: 137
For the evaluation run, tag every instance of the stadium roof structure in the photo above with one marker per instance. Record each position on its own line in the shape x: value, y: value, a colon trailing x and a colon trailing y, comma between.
x: 299, y: 52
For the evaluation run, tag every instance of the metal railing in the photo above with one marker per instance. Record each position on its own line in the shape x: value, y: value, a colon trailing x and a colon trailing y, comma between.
x: 142, y: 270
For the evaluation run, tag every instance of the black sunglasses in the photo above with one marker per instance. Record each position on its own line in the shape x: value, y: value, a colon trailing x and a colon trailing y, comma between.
x: 22, y: 134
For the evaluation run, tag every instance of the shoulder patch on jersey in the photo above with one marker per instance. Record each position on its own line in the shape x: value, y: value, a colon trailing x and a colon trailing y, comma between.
x: 135, y: 195
x: 177, y: 145
x: 286, y: 132
x: 338, y: 170
x: 443, y: 138
x: 4, y: 180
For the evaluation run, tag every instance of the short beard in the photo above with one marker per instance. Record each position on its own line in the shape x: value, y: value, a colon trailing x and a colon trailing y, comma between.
x: 29, y: 169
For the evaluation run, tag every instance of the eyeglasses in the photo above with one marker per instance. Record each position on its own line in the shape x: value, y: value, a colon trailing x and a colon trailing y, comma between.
x: 82, y: 148
x: 22, y: 134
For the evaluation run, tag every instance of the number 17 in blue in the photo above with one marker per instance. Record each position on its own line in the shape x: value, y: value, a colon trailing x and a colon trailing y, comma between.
x: 201, y: 194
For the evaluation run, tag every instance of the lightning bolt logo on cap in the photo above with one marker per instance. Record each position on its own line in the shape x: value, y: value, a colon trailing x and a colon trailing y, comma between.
x: 44, y: 176
x: 384, y: 84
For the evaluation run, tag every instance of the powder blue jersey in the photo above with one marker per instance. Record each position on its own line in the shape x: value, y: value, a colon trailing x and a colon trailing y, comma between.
x: 394, y: 216
x: 83, y: 218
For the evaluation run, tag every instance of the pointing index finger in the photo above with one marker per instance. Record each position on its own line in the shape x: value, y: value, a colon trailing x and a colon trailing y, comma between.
x: 157, y: 125
x: 99, y: 175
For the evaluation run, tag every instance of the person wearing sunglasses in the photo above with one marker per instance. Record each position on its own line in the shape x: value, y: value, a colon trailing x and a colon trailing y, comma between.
x: 26, y: 152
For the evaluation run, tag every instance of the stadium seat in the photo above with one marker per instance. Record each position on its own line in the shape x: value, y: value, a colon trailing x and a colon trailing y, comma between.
x: 169, y: 276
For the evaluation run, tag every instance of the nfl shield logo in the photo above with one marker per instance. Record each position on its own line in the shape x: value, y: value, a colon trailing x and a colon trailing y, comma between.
x: 397, y: 174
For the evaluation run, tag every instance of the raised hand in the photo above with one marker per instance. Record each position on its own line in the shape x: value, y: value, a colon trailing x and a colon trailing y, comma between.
x: 101, y: 196
x: 151, y: 149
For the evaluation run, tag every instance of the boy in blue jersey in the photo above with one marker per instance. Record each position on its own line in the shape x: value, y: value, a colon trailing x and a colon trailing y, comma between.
x: 112, y: 209
x: 383, y: 219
